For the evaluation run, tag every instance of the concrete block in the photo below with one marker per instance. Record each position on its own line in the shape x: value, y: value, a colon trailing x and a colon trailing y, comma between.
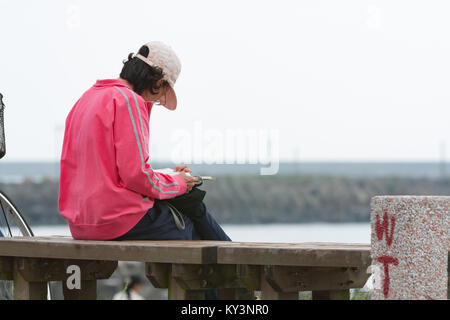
x: 409, y: 246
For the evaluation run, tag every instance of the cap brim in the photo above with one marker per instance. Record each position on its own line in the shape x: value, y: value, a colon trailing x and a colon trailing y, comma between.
x: 171, y: 99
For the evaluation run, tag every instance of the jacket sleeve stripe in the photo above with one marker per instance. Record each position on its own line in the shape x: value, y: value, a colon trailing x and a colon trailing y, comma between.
x: 139, y: 146
x: 145, y: 142
x: 140, y: 118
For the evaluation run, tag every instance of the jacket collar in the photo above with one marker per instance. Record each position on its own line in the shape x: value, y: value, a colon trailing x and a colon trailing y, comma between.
x: 118, y: 83
x: 111, y: 83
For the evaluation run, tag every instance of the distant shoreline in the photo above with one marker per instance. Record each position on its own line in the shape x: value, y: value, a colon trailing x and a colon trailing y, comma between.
x: 15, y: 171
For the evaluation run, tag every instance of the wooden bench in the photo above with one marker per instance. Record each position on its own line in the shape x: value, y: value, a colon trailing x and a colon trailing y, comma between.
x: 188, y: 268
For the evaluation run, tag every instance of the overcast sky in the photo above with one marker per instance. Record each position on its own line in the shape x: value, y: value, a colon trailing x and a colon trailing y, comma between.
x: 339, y: 80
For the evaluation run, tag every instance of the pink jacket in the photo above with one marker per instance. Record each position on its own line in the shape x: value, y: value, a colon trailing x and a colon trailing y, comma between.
x: 106, y: 184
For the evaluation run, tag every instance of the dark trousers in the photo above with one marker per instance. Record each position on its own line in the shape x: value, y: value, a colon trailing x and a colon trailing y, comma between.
x: 159, y: 224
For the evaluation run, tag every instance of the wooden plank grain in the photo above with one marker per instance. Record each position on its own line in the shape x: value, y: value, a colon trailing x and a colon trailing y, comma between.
x: 301, y: 254
x: 197, y: 252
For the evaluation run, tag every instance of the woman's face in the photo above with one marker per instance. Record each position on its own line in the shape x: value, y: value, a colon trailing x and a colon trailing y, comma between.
x: 160, y: 96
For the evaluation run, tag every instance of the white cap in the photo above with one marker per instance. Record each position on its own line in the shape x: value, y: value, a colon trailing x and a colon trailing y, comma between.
x: 162, y: 56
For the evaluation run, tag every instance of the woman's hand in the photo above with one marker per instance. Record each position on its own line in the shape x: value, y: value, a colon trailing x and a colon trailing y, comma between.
x: 190, y: 181
x: 182, y: 168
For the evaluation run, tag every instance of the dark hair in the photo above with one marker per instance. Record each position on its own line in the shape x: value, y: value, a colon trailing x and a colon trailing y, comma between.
x: 134, y: 280
x: 141, y: 75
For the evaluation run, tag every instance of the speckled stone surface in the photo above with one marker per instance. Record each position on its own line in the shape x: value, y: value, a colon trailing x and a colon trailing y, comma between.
x: 410, y: 242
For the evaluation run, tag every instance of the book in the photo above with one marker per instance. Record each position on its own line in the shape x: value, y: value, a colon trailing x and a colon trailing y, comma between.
x: 172, y: 172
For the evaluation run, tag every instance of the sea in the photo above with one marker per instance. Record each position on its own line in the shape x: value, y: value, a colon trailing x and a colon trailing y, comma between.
x: 293, y: 232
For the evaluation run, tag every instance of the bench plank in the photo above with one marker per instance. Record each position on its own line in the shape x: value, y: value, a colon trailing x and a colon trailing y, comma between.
x: 195, y: 252
x: 167, y: 251
x: 295, y: 254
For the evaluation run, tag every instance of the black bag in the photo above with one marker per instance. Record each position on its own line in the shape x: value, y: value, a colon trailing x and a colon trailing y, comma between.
x: 190, y: 204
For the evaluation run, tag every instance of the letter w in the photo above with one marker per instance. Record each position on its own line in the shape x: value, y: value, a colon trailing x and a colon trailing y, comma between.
x: 382, y: 228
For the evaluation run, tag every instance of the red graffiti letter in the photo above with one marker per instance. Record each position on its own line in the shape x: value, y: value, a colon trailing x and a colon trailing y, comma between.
x: 382, y: 228
x: 386, y: 260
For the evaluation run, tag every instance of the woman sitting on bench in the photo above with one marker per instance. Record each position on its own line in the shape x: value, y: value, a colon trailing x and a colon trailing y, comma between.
x: 108, y: 191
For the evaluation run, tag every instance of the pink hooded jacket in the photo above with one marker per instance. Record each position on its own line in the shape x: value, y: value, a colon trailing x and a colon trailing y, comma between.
x: 106, y: 184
